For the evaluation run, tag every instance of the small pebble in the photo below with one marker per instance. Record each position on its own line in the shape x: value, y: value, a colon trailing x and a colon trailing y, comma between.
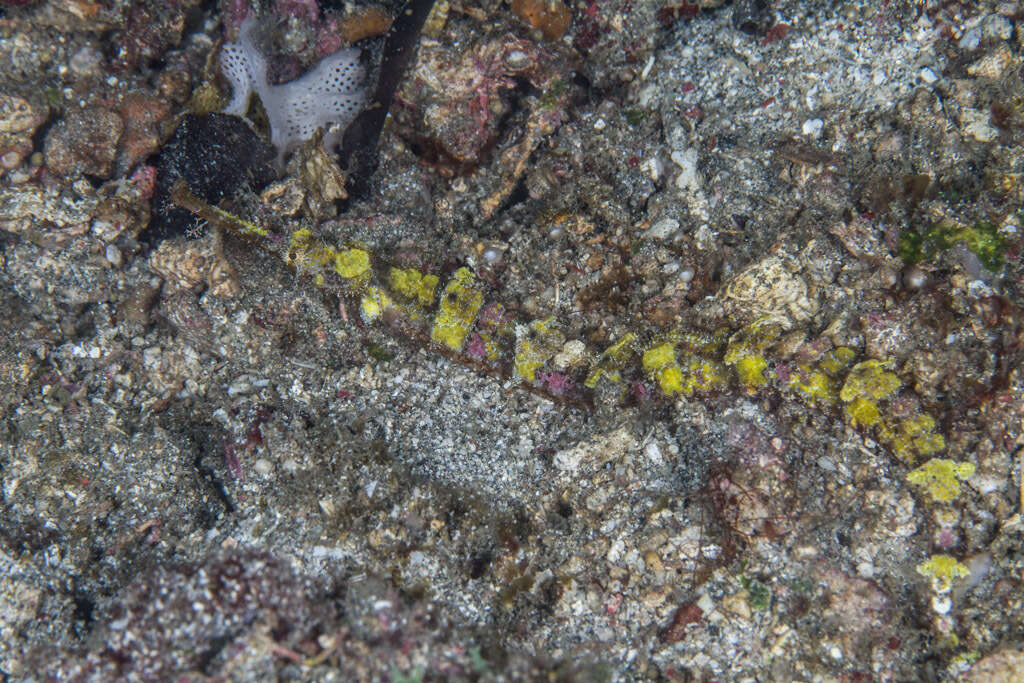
x: 689, y: 178
x: 914, y: 278
x: 888, y: 277
x: 928, y: 76
x: 517, y: 59
x: 971, y: 39
x: 113, y: 255
x: 812, y: 128
x: 492, y: 255
x: 86, y: 61
x: 653, y: 453
x: 663, y: 229
x: 655, y: 168
x: 11, y: 160
x: 240, y: 386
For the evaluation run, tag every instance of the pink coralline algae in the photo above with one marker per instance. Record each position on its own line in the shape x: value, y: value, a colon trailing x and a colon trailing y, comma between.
x: 302, y: 9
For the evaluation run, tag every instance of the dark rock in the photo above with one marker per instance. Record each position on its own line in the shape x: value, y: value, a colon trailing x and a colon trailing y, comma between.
x: 151, y: 30
x: 753, y: 17
x: 217, y: 155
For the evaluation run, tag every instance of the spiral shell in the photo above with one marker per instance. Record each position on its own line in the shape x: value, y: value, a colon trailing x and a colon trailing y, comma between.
x: 993, y: 65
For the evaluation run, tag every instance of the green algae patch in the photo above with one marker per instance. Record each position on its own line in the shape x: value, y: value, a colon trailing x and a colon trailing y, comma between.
x: 377, y: 352
x: 759, y: 596
x: 982, y: 238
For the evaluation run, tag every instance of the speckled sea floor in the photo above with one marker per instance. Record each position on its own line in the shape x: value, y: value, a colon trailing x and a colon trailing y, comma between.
x: 212, y: 468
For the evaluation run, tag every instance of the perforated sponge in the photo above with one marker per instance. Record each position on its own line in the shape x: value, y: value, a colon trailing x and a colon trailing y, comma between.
x: 328, y: 96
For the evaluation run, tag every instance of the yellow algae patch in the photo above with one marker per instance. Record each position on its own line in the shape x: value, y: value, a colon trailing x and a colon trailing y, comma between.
x: 533, y: 351
x: 460, y: 303
x: 928, y: 444
x: 413, y: 285
x: 942, y: 570
x: 701, y: 375
x: 912, y: 437
x: 611, y: 361
x: 868, y: 382
x: 837, y: 360
x: 745, y: 352
x: 750, y: 370
x: 660, y: 363
x: 309, y: 256
x: 812, y: 383
x: 870, y: 379
x: 352, y: 264
x: 373, y: 303
x: 528, y: 360
x: 657, y: 357
x: 941, y: 478
x: 819, y: 382
x: 863, y: 413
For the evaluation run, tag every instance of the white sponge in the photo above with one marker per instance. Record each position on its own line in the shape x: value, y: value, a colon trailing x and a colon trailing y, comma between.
x: 328, y: 96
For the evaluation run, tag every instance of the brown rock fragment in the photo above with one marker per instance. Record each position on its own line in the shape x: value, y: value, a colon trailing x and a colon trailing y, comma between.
x: 367, y: 22
x: 182, y: 265
x: 1004, y: 666
x: 321, y: 178
x: 683, y: 621
x: 551, y: 17
x: 142, y: 116
x: 84, y: 142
